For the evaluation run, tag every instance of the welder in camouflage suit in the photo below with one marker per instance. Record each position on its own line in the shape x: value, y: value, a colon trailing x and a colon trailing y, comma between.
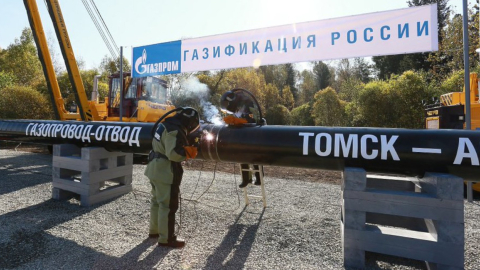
x: 170, y: 148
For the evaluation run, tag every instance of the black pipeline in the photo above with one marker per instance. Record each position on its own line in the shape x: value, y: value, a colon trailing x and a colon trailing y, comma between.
x: 412, y: 152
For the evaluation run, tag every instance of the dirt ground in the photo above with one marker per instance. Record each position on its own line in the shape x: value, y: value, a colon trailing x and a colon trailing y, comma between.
x: 310, y: 175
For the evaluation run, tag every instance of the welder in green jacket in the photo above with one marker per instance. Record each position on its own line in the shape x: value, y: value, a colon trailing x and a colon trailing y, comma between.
x: 170, y: 147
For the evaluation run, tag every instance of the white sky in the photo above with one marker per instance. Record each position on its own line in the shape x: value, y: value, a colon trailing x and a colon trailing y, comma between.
x: 142, y: 22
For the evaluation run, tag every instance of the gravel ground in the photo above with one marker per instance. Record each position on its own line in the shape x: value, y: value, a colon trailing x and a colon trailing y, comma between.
x: 300, y: 228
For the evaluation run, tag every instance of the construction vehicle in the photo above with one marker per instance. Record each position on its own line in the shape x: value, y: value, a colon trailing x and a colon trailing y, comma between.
x: 142, y: 100
x: 449, y: 111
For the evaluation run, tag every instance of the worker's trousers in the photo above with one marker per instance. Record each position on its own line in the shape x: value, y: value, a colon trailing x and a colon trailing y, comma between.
x: 164, y: 205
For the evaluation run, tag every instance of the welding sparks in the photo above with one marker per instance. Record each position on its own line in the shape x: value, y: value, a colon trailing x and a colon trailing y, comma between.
x: 209, y: 136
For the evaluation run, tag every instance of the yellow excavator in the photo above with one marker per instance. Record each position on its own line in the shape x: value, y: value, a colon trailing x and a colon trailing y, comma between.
x: 142, y: 100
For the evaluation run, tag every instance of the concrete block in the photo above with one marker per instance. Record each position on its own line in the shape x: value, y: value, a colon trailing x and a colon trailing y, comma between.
x: 66, y: 150
x: 61, y: 194
x: 390, y: 183
x: 403, y: 243
x: 105, y: 195
x: 418, y: 205
x: 445, y: 231
x: 425, y: 218
x: 443, y: 186
x: 85, y: 172
x: 409, y: 223
x: 354, y: 179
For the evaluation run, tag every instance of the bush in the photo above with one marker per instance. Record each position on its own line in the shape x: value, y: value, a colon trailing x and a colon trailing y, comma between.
x: 21, y: 102
x: 277, y: 115
x: 328, y: 109
x: 300, y: 116
x: 6, y: 79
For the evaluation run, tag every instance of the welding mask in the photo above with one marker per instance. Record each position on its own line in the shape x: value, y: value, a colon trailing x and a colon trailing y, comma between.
x: 229, y: 102
x: 189, y: 118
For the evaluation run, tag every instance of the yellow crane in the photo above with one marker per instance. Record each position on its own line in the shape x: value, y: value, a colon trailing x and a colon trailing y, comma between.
x: 144, y: 99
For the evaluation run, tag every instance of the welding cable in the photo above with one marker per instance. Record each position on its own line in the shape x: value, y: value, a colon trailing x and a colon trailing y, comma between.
x: 236, y: 189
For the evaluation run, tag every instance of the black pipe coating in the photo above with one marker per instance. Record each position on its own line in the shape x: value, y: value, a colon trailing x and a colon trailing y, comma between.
x: 406, y: 151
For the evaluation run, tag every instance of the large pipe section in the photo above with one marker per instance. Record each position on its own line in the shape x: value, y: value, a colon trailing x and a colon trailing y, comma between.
x: 412, y: 152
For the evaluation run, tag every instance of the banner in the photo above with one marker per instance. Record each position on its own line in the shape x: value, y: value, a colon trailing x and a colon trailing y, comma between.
x: 401, y: 31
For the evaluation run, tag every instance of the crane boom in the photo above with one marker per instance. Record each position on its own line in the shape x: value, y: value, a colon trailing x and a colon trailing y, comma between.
x: 70, y: 61
x: 45, y: 58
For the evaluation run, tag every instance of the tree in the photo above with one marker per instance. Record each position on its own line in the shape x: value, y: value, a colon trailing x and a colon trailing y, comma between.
x: 450, y: 54
x: 277, y: 115
x: 322, y: 75
x: 272, y: 96
x: 301, y: 116
x: 291, y: 81
x: 275, y: 75
x: 328, y: 109
x: 287, y: 98
x: 374, y: 105
x: 443, y: 10
x: 396, y: 64
x: 6, y: 79
x: 307, y: 87
x: 21, y: 102
x: 396, y: 103
x: 87, y: 76
x: 362, y: 69
x: 21, y: 60
x: 109, y: 66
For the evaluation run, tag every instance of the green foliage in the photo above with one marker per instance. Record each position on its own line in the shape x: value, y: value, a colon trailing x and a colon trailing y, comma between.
x: 322, y: 75
x: 374, y: 105
x: 307, y: 88
x: 453, y: 83
x: 409, y: 90
x: 87, y: 78
x: 276, y: 75
x: 350, y: 89
x: 109, y: 66
x: 291, y: 80
x: 328, y: 109
x: 277, y: 115
x: 20, y: 102
x: 21, y: 60
x: 287, y: 98
x: 301, y: 116
x: 6, y: 79
x: 396, y: 103
x: 272, y: 96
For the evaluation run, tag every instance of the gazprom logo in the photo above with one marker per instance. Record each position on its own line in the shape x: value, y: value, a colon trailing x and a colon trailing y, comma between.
x: 160, y: 62
x: 140, y: 63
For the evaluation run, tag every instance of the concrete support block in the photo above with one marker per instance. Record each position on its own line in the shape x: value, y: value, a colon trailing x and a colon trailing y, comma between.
x: 92, y: 173
x: 419, y: 219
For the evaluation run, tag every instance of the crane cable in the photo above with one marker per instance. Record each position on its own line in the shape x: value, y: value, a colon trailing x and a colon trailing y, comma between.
x: 113, y: 50
x: 104, y: 24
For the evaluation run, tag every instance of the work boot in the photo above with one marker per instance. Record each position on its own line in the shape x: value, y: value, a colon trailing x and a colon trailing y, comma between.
x: 174, y: 243
x: 245, y: 183
x: 153, y: 235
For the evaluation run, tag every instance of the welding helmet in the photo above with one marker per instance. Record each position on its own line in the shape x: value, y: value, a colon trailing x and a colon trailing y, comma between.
x: 189, y: 118
x: 229, y: 102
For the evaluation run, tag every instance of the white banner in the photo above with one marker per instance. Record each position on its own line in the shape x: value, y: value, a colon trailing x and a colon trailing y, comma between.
x: 408, y: 30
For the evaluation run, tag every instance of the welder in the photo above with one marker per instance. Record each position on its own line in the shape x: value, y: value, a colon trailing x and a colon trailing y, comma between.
x: 242, y: 109
x: 170, y: 146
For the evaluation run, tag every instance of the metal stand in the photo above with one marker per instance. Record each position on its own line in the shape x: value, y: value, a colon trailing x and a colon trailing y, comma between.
x: 262, y: 185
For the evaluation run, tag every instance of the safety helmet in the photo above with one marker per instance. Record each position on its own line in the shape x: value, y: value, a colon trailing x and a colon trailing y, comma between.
x: 189, y: 118
x: 229, y: 102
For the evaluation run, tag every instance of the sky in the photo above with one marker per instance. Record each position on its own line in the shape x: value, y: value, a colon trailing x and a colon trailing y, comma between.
x: 143, y: 22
